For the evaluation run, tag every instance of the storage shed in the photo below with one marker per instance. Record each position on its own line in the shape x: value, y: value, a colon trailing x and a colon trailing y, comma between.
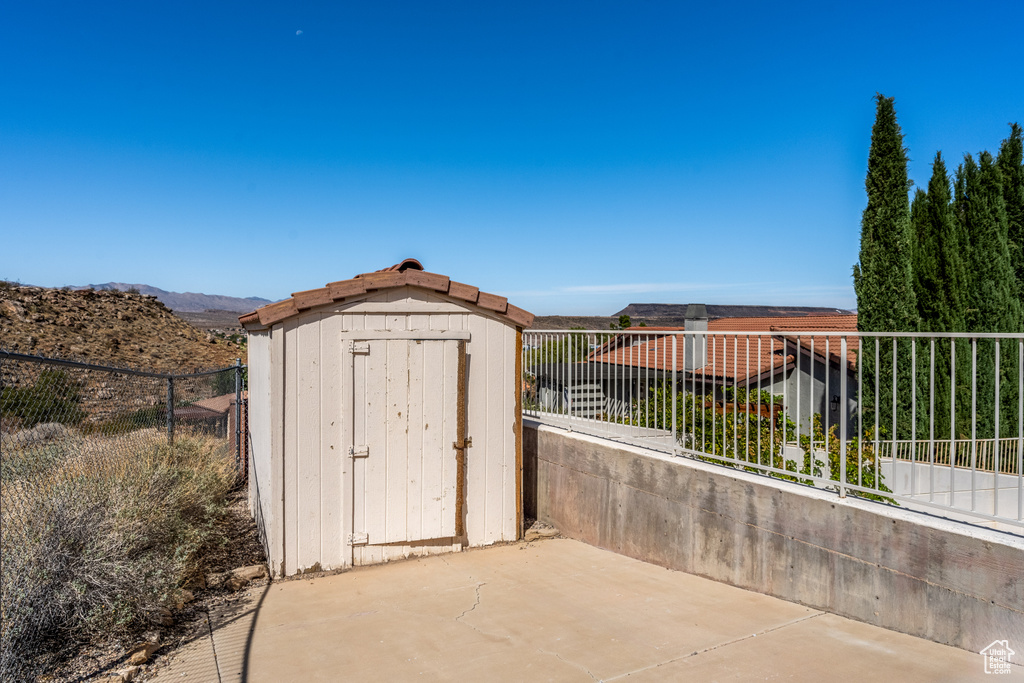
x: 385, y: 420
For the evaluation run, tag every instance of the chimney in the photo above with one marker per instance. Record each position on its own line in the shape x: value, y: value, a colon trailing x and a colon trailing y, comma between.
x: 696, y: 317
x: 695, y: 352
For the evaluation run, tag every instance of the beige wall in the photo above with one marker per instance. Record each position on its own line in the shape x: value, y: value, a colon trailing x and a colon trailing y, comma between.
x: 302, y: 427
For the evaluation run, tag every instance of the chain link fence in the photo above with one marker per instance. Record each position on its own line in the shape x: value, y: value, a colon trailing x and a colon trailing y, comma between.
x: 110, y: 480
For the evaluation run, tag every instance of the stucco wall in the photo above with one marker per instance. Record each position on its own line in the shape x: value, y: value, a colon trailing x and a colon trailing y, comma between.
x: 962, y: 586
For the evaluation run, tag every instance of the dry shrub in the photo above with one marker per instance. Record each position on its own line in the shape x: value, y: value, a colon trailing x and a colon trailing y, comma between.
x: 102, y: 541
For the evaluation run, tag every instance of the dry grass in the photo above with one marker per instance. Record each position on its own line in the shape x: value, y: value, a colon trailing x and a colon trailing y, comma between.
x: 97, y: 533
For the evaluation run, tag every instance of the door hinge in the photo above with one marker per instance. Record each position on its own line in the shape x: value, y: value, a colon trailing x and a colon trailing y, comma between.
x: 358, y: 347
x: 359, y: 451
x: 466, y: 443
x: 358, y: 539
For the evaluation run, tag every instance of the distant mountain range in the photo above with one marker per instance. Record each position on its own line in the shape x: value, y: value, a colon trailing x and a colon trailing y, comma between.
x: 189, y: 302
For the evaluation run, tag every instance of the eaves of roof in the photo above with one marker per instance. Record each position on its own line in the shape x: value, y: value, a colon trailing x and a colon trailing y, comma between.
x: 407, y: 273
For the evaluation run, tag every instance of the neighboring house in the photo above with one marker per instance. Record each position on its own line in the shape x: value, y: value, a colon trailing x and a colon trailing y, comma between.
x: 223, y: 408
x: 805, y: 369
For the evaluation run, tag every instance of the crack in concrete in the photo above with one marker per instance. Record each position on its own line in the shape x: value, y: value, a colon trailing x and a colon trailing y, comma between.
x: 475, y: 605
x: 720, y: 645
x: 570, y: 663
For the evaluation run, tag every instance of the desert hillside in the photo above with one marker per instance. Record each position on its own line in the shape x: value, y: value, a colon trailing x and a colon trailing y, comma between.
x: 126, y: 329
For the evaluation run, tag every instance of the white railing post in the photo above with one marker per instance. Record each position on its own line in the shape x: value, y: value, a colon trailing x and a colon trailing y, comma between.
x: 842, y: 417
x: 675, y: 436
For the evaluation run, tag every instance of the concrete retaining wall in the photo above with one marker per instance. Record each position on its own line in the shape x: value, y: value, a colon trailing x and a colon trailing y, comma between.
x: 929, y: 577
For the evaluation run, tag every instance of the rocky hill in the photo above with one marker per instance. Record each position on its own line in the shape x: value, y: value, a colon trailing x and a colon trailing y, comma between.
x: 107, y: 327
x: 186, y: 301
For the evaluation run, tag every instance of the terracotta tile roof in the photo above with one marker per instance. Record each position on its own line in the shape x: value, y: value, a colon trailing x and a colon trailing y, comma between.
x: 407, y: 273
x: 825, y: 323
x: 815, y: 323
x: 728, y: 356
x: 220, y: 404
x: 195, y: 413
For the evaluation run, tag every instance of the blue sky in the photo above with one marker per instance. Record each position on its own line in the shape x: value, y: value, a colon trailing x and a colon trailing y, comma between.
x: 574, y: 156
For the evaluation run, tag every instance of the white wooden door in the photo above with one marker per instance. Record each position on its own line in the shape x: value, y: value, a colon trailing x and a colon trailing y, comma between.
x: 405, y: 473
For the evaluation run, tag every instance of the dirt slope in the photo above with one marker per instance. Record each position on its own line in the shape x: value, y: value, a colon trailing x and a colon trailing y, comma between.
x: 107, y: 327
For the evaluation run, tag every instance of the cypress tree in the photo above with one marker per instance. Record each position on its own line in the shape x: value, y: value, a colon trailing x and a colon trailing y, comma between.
x: 939, y: 277
x: 925, y: 279
x: 1011, y: 165
x: 992, y: 301
x: 883, y: 278
x: 925, y: 262
x: 939, y: 268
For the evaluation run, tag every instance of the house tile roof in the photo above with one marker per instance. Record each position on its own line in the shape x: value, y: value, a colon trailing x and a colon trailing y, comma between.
x: 830, y: 323
x: 407, y: 273
x: 727, y: 357
x: 220, y: 404
x: 732, y: 357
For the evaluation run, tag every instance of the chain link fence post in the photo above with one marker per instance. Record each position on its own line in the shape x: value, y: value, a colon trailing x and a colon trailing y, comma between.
x: 170, y: 411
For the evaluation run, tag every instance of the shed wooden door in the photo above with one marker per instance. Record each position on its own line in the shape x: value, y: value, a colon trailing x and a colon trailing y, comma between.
x: 405, y: 464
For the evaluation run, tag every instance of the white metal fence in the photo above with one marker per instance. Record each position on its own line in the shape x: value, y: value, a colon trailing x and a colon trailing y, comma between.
x: 927, y: 421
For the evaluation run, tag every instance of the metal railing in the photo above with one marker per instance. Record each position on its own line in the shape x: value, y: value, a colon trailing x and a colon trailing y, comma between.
x: 875, y: 415
x: 83, y: 447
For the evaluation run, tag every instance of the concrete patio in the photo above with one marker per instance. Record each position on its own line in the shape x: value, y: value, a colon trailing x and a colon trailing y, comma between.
x: 553, y: 610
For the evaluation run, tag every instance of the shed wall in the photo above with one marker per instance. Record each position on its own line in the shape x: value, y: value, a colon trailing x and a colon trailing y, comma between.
x: 313, y: 428
x: 259, y: 433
